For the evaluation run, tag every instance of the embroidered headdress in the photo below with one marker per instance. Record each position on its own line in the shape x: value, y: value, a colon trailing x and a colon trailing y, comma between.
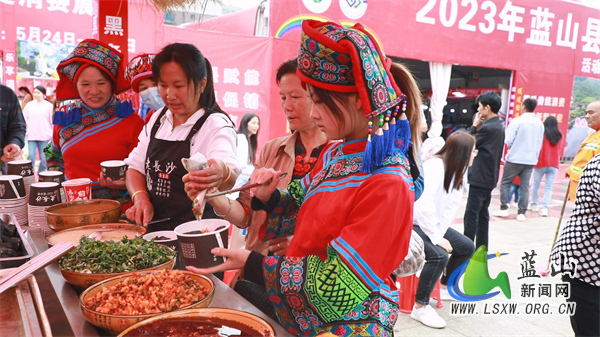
x: 336, y: 58
x: 139, y: 68
x: 89, y: 52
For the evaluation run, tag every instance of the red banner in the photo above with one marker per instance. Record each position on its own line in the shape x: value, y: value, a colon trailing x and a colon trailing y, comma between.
x: 111, y: 24
x: 516, y: 35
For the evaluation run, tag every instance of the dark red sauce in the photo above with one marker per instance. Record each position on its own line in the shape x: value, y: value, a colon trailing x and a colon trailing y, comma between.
x: 183, y: 327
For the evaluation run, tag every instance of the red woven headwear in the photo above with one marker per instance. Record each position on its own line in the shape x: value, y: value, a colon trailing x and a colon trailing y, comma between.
x: 90, y: 52
x: 138, y: 69
x: 336, y: 58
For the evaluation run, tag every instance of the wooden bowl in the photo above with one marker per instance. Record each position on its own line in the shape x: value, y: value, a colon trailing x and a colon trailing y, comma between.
x: 74, y: 234
x: 85, y: 280
x: 117, y: 323
x: 82, y: 213
x: 230, y: 317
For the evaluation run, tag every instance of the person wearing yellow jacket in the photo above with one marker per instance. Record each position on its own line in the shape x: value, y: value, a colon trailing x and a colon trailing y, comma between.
x: 589, y: 148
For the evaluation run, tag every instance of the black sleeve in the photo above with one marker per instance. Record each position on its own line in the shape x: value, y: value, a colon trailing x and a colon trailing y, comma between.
x: 253, y: 270
x: 472, y: 129
x: 16, y: 126
x: 258, y: 205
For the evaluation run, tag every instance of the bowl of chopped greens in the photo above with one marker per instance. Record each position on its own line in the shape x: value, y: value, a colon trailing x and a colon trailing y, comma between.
x: 94, y: 261
x: 121, y: 301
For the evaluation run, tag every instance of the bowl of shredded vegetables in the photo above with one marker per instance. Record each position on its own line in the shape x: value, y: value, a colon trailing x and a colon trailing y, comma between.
x: 94, y: 261
x: 120, y: 302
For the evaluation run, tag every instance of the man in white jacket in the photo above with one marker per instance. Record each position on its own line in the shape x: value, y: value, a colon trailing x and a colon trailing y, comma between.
x: 524, y: 137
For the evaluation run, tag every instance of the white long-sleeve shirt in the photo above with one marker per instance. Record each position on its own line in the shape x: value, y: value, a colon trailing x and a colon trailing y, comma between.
x: 435, y: 210
x: 244, y: 160
x: 38, y: 116
x: 524, y: 137
x: 216, y: 139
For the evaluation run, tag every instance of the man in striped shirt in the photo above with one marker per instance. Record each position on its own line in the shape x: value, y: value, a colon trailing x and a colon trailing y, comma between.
x: 589, y: 148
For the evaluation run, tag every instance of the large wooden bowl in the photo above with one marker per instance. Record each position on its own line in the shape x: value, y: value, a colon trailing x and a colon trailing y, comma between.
x: 82, y: 213
x: 85, y: 280
x: 117, y: 323
x: 230, y: 317
x: 117, y: 230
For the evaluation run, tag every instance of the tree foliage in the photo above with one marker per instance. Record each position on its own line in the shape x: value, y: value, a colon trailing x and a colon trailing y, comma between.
x: 585, y: 91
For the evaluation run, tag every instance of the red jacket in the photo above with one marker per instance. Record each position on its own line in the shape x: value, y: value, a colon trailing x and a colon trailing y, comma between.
x: 549, y: 155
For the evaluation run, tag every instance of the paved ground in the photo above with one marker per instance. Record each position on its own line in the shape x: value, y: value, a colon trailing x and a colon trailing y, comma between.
x: 512, y: 237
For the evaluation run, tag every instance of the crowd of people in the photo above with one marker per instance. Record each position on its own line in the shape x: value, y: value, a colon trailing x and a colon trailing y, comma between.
x: 343, y: 190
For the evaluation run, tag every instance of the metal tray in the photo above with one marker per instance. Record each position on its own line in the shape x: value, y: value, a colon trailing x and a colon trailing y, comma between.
x: 23, y: 311
x: 12, y: 262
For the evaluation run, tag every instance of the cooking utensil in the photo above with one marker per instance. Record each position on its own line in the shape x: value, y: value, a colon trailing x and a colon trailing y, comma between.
x: 97, y: 235
x: 243, y: 188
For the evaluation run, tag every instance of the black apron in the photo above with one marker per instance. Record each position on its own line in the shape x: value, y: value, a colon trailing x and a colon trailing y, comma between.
x: 164, y: 173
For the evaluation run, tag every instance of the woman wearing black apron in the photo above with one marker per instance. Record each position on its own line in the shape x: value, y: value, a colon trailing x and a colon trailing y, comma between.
x: 191, y: 122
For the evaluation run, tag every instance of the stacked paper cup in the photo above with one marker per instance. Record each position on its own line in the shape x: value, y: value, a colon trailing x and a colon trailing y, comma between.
x: 13, y: 198
x: 23, y: 168
x: 54, y: 177
x: 41, y: 196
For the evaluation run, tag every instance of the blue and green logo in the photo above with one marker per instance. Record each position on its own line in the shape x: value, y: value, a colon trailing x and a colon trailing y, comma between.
x: 477, y: 282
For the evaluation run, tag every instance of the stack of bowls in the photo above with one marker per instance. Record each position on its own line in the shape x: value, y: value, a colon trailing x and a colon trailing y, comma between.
x: 23, y: 168
x: 41, y: 196
x: 13, y: 198
x: 54, y: 177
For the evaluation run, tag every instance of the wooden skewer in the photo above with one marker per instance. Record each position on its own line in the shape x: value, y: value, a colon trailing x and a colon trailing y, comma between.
x: 243, y: 188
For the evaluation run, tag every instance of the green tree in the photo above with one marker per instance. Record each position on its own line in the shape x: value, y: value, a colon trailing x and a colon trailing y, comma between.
x: 585, y: 91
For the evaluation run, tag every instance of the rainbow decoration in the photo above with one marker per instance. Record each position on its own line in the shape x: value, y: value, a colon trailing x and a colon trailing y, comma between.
x: 295, y: 23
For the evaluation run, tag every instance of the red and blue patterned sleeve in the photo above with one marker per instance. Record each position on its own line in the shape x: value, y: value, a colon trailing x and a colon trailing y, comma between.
x: 350, y: 289
x: 281, y: 221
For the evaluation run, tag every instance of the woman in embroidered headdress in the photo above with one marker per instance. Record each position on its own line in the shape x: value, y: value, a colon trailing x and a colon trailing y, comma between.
x: 354, y: 224
x: 139, y: 74
x: 191, y: 122
x: 92, y: 123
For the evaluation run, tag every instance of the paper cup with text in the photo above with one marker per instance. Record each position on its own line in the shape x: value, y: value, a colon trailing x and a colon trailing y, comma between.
x: 44, y: 194
x: 78, y: 189
x: 195, y: 246
x: 51, y: 177
x: 166, y: 238
x: 12, y: 187
x: 114, y: 169
x: 22, y: 168
x: 54, y: 177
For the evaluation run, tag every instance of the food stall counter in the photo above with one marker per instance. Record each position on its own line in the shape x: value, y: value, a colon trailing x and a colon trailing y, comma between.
x: 61, y: 301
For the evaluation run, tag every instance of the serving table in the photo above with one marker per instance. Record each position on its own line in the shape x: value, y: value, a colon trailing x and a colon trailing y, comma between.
x: 61, y: 301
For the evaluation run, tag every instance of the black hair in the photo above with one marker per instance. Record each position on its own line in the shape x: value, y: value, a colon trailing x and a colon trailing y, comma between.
x: 551, y: 130
x: 405, y: 81
x: 492, y: 99
x: 26, y: 90
x: 195, y: 66
x: 252, y: 140
x: 530, y: 104
x: 41, y: 89
x: 287, y: 67
x: 456, y: 154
